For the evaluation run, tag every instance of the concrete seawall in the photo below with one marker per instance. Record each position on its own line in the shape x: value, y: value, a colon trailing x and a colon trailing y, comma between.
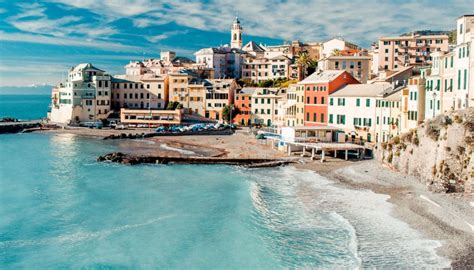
x: 16, y: 127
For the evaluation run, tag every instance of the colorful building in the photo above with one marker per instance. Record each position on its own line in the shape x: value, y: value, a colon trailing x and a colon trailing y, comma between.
x: 317, y: 88
x: 243, y: 104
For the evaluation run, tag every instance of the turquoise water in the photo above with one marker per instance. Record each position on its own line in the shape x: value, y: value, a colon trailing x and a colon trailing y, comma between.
x: 60, y: 208
x: 24, y: 107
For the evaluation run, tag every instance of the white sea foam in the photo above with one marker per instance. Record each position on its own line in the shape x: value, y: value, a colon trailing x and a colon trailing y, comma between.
x: 377, y: 239
x: 182, y: 151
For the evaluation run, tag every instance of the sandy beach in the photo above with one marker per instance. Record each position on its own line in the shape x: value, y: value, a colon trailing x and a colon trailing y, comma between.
x: 448, y: 218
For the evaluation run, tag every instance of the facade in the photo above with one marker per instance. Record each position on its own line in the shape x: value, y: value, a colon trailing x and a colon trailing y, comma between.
x: 287, y: 111
x: 259, y: 69
x: 353, y: 109
x: 388, y: 115
x: 317, y: 88
x: 225, y: 61
x: 409, y: 50
x: 412, y: 104
x: 357, y: 65
x: 335, y: 44
x: 243, y: 103
x: 265, y: 105
x: 168, y: 63
x: 150, y: 117
x: 146, y: 91
x: 219, y: 93
x: 85, y: 96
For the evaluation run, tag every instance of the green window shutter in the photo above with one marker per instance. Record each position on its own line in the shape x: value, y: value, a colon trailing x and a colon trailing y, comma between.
x: 358, y: 102
x: 459, y: 79
x: 465, y: 79
x: 331, y: 101
x: 330, y: 119
x: 367, y: 102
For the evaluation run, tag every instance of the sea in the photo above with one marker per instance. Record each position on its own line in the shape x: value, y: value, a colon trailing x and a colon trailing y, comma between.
x: 61, y: 209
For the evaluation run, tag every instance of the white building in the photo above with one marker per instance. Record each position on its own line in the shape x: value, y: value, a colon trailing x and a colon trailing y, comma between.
x: 388, y: 114
x: 353, y: 109
x: 265, y: 105
x: 412, y: 104
x: 146, y: 91
x: 226, y: 61
x: 83, y: 97
x: 236, y: 34
x: 339, y: 44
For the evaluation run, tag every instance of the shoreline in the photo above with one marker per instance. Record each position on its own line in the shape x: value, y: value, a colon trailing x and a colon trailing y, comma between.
x: 443, y: 217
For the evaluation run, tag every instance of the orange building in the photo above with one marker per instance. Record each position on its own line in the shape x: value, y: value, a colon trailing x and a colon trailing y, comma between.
x: 317, y: 88
x: 243, y: 103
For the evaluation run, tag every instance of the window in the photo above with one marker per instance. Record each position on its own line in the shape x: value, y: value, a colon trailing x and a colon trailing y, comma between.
x: 322, y: 100
x: 459, y: 79
x: 331, y: 101
x: 314, y: 117
x: 315, y: 100
x: 465, y: 79
x: 322, y: 117
x: 330, y: 119
x: 367, y: 103
x: 358, y: 102
x: 307, y: 116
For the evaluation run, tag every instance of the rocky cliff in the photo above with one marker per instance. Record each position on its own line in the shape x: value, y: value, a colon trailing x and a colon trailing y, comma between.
x: 439, y: 152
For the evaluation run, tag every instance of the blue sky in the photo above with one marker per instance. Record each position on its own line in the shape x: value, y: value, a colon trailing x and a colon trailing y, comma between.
x: 40, y: 40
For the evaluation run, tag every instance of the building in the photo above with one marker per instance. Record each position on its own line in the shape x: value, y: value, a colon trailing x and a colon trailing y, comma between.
x: 413, y: 49
x: 388, y: 114
x: 288, y: 106
x: 85, y: 96
x: 353, y: 109
x: 335, y: 45
x: 168, y: 63
x: 225, y: 61
x: 317, y: 88
x: 357, y: 65
x: 148, y: 91
x: 219, y: 94
x: 259, y: 69
x: 243, y: 104
x: 265, y: 104
x: 412, y: 104
x: 150, y: 117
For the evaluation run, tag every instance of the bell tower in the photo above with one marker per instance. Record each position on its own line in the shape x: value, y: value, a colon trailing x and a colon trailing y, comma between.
x: 236, y: 34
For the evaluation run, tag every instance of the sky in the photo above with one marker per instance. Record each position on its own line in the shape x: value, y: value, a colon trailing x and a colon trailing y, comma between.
x: 41, y: 40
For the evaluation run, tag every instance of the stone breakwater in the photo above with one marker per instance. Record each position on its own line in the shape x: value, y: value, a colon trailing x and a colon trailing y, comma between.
x: 128, y: 159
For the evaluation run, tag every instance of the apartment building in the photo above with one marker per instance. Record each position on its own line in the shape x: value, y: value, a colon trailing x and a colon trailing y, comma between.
x: 258, y: 69
x: 265, y: 105
x: 353, y: 109
x: 225, y: 61
x: 356, y: 65
x: 84, y: 96
x: 334, y: 45
x: 317, y: 88
x: 412, y: 49
x: 412, y: 104
x: 288, y: 106
x: 148, y: 91
x: 243, y: 104
x: 219, y: 93
x: 388, y: 114
x: 168, y: 63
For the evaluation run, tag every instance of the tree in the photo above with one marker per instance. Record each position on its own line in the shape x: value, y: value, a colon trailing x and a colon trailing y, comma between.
x: 173, y: 105
x: 228, y: 110
x: 304, y: 61
x: 336, y: 52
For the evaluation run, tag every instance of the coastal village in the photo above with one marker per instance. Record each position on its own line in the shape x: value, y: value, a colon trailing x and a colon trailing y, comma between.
x: 312, y: 98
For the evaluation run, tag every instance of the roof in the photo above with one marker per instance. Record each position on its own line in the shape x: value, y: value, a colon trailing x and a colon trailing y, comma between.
x: 345, y: 57
x: 322, y: 76
x: 251, y: 46
x: 182, y: 60
x: 246, y: 91
x: 394, y: 96
x: 269, y: 90
x: 83, y: 66
x: 362, y: 90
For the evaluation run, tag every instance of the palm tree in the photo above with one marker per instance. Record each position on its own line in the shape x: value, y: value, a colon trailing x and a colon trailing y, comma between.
x: 336, y: 52
x: 303, y: 60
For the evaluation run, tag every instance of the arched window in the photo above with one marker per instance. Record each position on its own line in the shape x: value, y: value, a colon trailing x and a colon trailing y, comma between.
x: 235, y: 36
x: 240, y: 36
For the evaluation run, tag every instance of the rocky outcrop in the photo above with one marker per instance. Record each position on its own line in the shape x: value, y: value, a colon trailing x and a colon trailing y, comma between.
x: 128, y: 159
x: 438, y: 152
